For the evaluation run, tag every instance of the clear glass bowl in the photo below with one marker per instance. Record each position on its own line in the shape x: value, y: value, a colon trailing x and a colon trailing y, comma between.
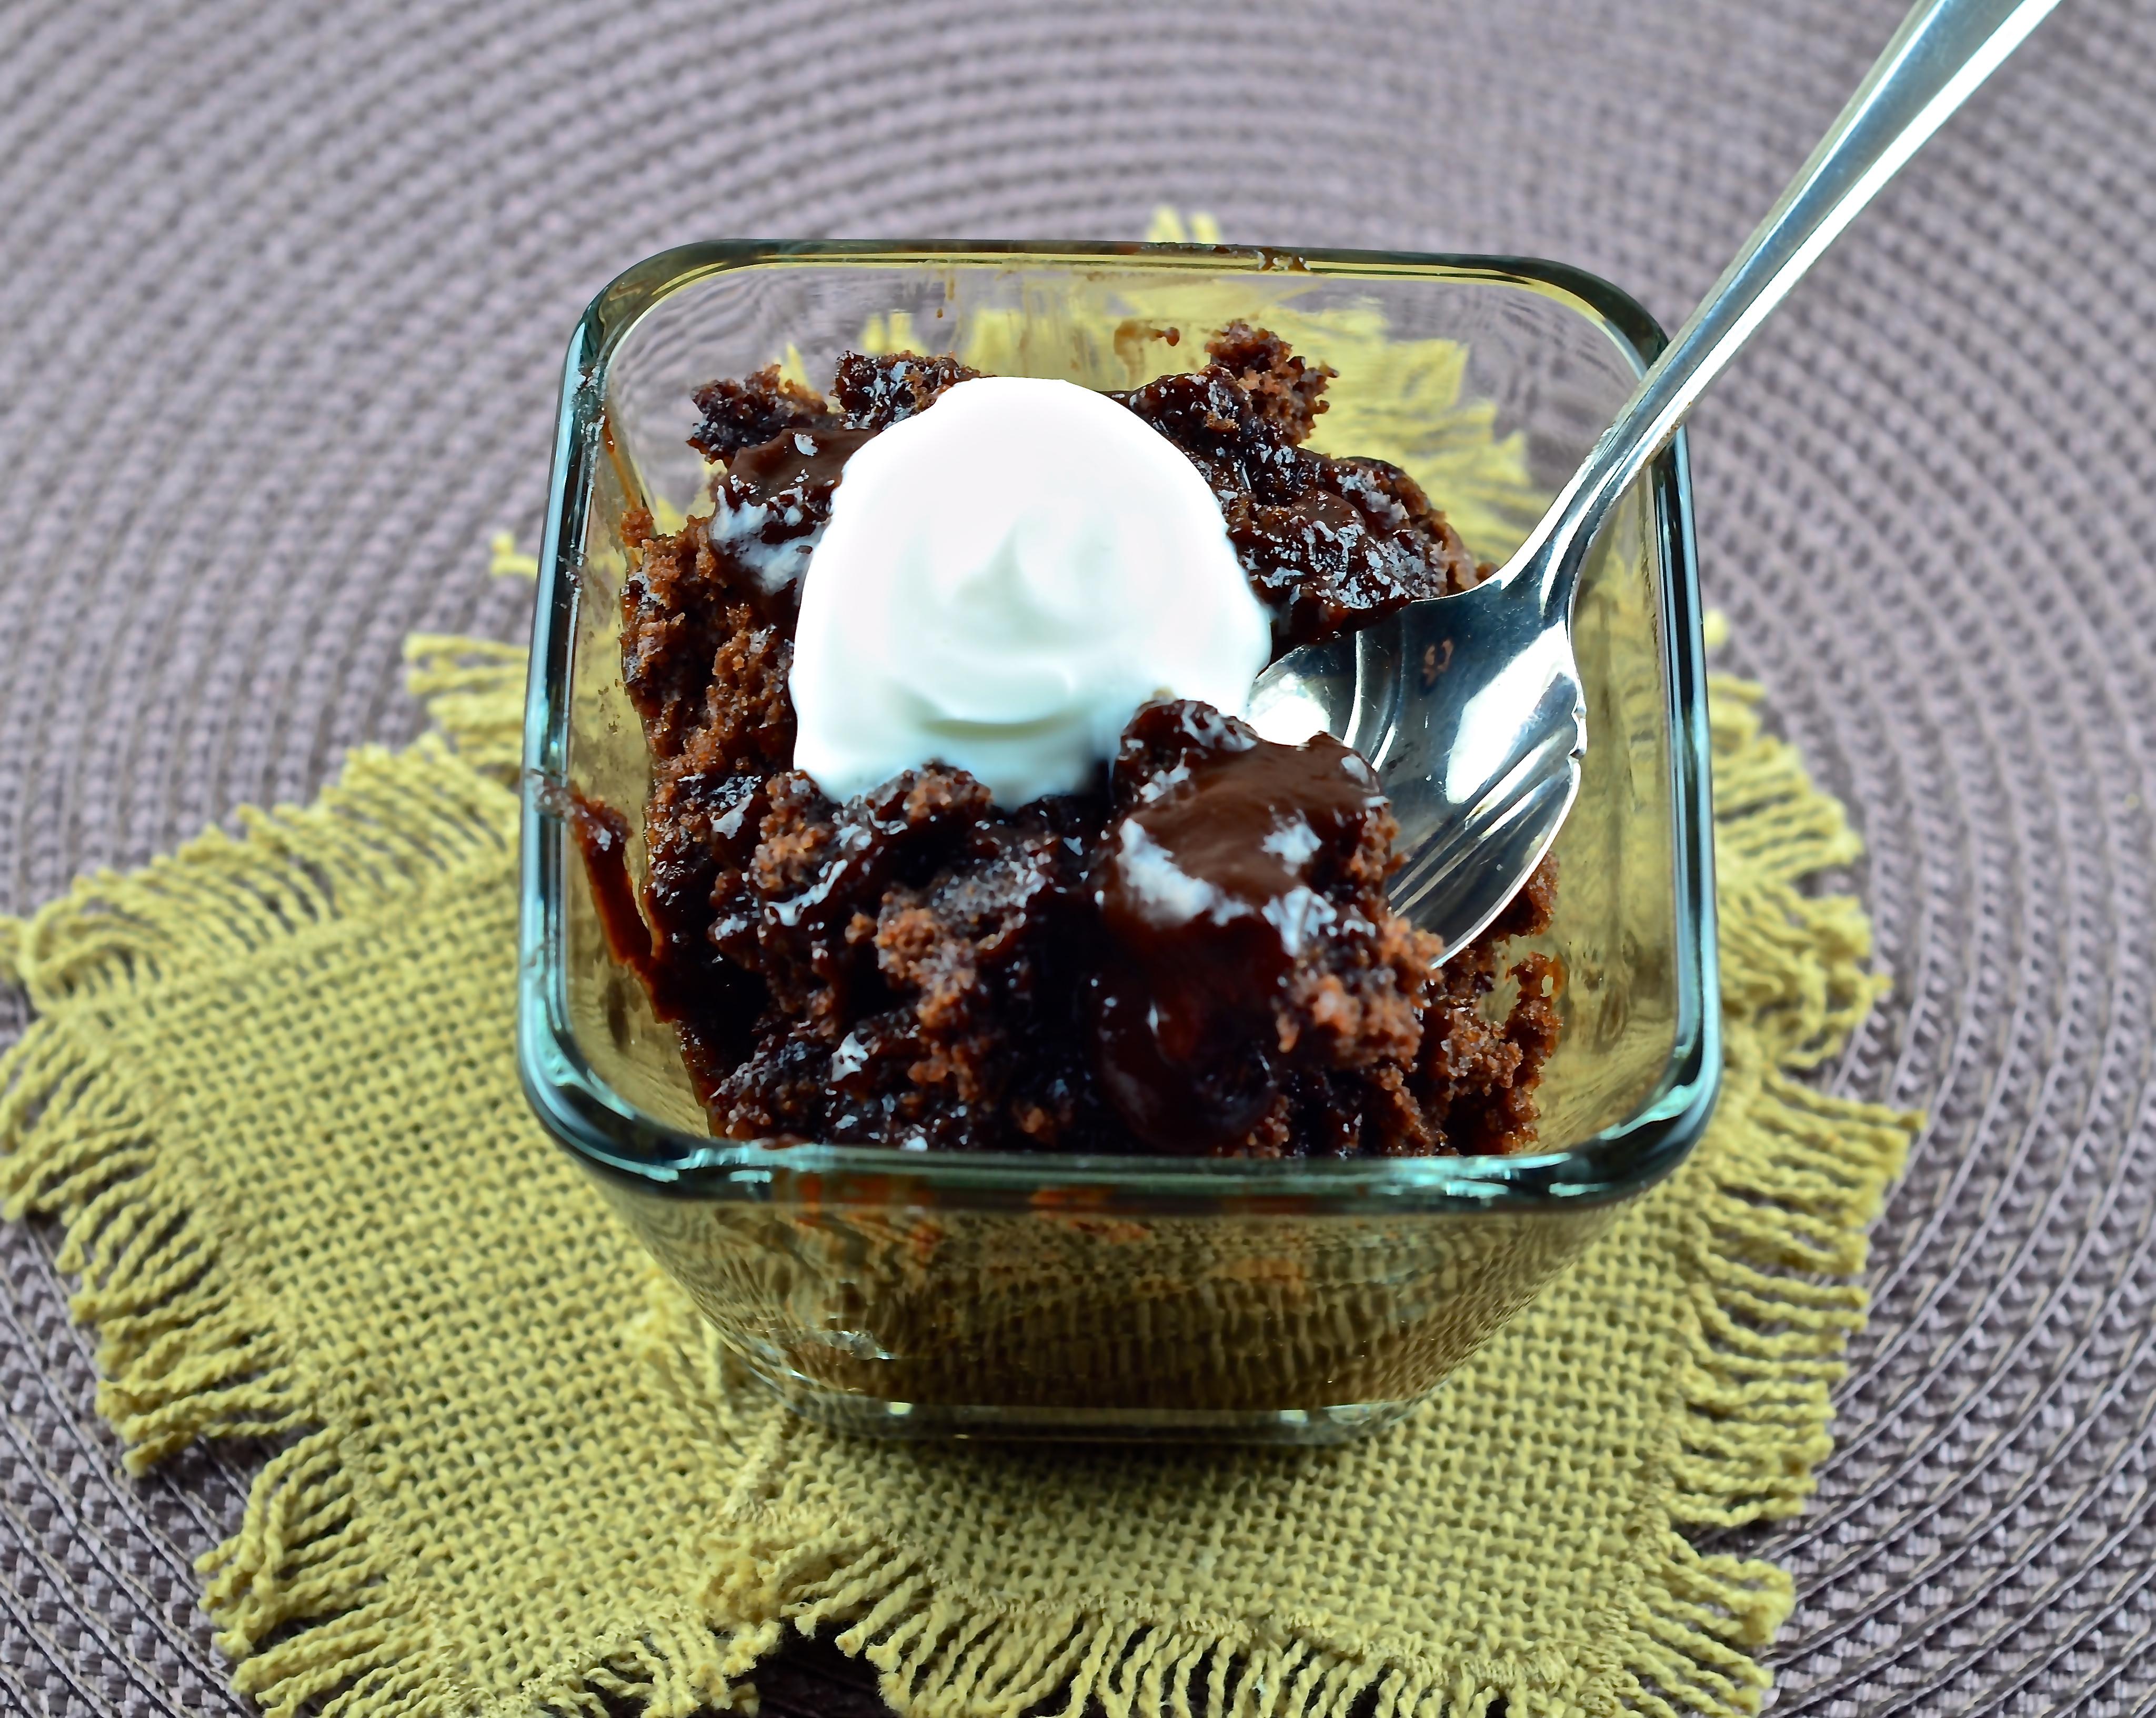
x: 1133, y: 1297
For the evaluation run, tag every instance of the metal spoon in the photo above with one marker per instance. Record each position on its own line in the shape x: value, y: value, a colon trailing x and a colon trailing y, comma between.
x: 1471, y: 706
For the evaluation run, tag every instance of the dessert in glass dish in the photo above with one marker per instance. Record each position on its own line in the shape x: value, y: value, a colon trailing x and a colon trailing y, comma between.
x: 956, y: 838
x: 989, y: 1029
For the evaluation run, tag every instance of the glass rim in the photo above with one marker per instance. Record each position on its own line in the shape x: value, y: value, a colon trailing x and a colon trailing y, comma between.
x: 612, y: 1136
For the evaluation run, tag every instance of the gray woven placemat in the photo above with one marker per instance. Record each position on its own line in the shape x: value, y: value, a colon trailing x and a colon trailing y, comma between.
x: 283, y: 293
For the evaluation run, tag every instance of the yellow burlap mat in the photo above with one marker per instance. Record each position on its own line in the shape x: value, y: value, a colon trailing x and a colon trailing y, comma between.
x: 271, y: 1097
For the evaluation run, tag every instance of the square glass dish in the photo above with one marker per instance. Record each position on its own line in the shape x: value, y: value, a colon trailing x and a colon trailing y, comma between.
x: 1298, y: 1301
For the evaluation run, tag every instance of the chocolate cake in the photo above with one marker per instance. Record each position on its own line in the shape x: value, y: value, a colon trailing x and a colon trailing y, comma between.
x: 1193, y: 956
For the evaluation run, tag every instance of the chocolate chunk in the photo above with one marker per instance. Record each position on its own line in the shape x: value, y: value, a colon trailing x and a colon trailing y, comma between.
x: 1282, y: 387
x: 1242, y: 889
x: 748, y: 414
x: 1328, y: 544
x: 876, y: 393
x: 769, y: 511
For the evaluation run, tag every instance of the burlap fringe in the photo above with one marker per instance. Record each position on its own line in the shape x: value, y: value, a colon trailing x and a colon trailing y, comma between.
x: 675, y: 1665
x: 182, y: 1353
x: 187, y: 1350
x: 943, y: 1653
x: 1776, y: 1227
x: 312, y: 1616
x: 946, y: 1654
x: 474, y: 691
x: 393, y: 820
x: 1773, y: 1239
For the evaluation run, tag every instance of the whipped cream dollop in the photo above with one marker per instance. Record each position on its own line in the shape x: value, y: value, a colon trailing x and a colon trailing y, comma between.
x: 1006, y: 578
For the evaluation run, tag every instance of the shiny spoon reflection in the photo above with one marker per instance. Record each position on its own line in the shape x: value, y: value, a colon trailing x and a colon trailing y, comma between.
x: 1471, y: 706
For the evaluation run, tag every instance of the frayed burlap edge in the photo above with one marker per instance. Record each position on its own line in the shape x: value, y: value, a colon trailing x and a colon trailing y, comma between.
x: 1773, y: 1235
x: 188, y: 1350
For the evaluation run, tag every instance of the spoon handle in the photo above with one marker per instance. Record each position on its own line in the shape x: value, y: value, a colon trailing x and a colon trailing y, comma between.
x: 1944, y: 50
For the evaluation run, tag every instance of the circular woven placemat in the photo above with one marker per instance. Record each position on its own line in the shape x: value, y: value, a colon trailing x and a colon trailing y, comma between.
x: 282, y: 292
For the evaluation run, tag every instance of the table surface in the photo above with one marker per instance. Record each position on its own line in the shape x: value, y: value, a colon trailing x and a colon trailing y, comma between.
x: 286, y: 287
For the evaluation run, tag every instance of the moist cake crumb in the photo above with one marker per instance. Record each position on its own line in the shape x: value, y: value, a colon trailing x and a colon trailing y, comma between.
x: 1195, y: 955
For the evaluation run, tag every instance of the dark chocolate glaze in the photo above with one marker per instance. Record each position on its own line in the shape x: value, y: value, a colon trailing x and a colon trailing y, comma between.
x: 1218, y: 878
x: 798, y: 461
x: 712, y: 1003
x: 776, y: 496
x: 601, y: 836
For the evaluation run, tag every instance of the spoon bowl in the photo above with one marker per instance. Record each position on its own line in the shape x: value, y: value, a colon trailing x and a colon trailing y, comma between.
x: 1472, y: 711
x: 1469, y: 706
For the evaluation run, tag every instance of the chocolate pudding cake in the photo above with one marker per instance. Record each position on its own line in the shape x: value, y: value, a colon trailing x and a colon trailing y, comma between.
x: 1192, y: 954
